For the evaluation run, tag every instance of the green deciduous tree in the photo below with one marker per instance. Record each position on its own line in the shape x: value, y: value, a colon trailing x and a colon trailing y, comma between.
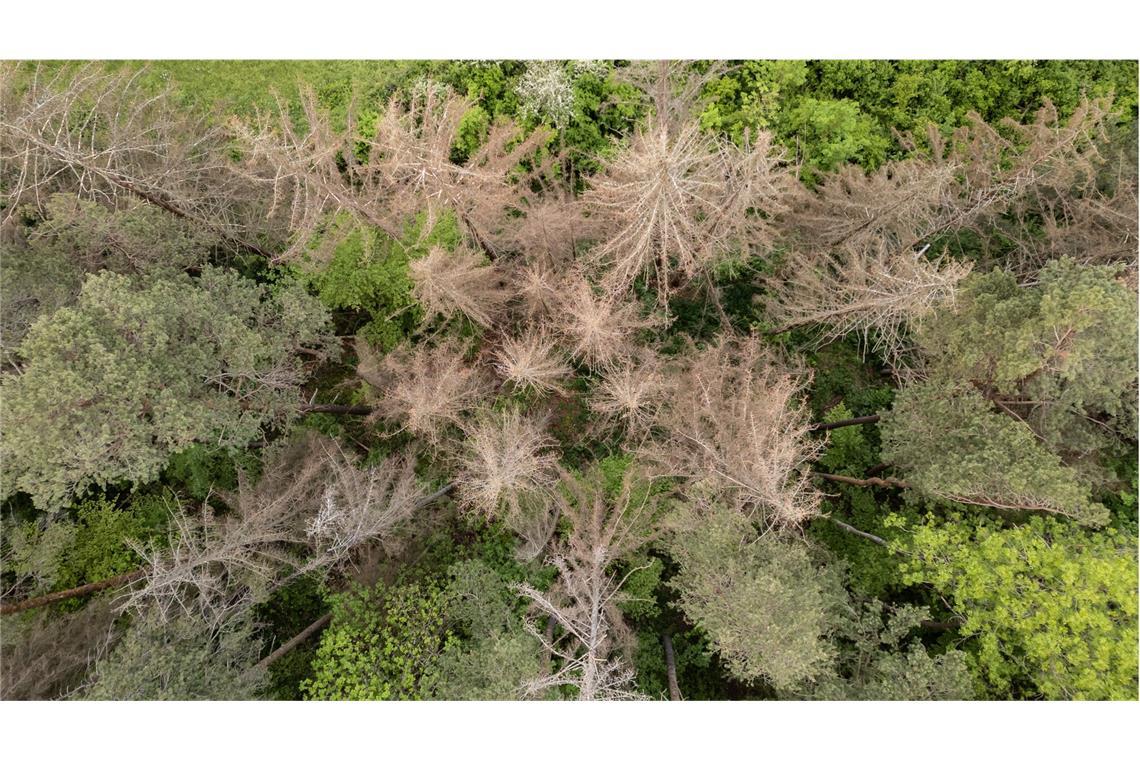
x: 1052, y: 608
x: 383, y: 643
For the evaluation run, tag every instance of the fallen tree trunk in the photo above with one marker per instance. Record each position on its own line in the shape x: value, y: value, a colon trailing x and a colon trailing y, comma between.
x: 884, y: 482
x: 71, y: 593
x: 845, y: 423
x: 335, y: 409
x: 294, y: 642
x: 671, y: 668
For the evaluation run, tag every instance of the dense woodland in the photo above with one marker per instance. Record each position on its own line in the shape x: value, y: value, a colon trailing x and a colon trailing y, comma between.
x: 454, y: 380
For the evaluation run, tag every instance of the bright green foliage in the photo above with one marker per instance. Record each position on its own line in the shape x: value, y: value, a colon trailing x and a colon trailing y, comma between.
x: 951, y: 444
x: 835, y: 111
x: 102, y: 546
x: 1060, y: 352
x: 180, y: 659
x: 838, y: 131
x: 1051, y: 608
x: 368, y: 273
x: 750, y: 98
x: 874, y: 663
x: 765, y: 605
x: 142, y: 368
x: 383, y: 643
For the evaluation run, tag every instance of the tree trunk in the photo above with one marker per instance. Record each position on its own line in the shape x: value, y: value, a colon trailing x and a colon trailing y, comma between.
x: 844, y: 423
x: 71, y: 593
x: 856, y: 531
x: 294, y: 642
x: 884, y: 482
x: 671, y: 668
x: 335, y: 409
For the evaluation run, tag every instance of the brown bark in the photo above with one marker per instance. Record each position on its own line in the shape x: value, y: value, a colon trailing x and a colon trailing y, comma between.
x: 884, y: 482
x: 294, y: 642
x: 71, y: 593
x: 844, y: 423
x: 336, y: 409
x: 671, y: 668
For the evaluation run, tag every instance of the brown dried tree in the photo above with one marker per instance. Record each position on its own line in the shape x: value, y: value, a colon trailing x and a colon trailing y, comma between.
x: 603, y: 531
x: 873, y: 291
x: 309, y: 511
x: 532, y: 361
x: 402, y: 169
x: 735, y: 423
x: 103, y: 136
x: 630, y: 394
x: 674, y: 203
x: 597, y: 328
x: 447, y: 283
x: 505, y: 458
x: 423, y: 390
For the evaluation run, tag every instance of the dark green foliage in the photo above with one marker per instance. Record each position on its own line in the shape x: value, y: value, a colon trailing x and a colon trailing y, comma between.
x: 288, y: 611
x: 205, y: 468
x: 1061, y: 353
x: 951, y: 444
x: 493, y: 656
x: 699, y: 676
x: 1030, y: 391
x: 874, y: 662
x: 46, y: 259
x: 143, y: 368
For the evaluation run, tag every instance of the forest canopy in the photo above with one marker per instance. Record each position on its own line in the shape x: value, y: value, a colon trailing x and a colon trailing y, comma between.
x: 598, y: 380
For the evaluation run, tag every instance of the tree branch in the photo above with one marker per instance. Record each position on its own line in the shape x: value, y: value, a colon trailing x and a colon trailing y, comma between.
x: 335, y: 409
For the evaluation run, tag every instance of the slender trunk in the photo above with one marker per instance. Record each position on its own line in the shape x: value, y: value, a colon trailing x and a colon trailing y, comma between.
x: 884, y: 482
x: 671, y: 668
x: 844, y: 423
x: 71, y: 593
x: 360, y: 410
x: 294, y: 642
x: 856, y: 531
